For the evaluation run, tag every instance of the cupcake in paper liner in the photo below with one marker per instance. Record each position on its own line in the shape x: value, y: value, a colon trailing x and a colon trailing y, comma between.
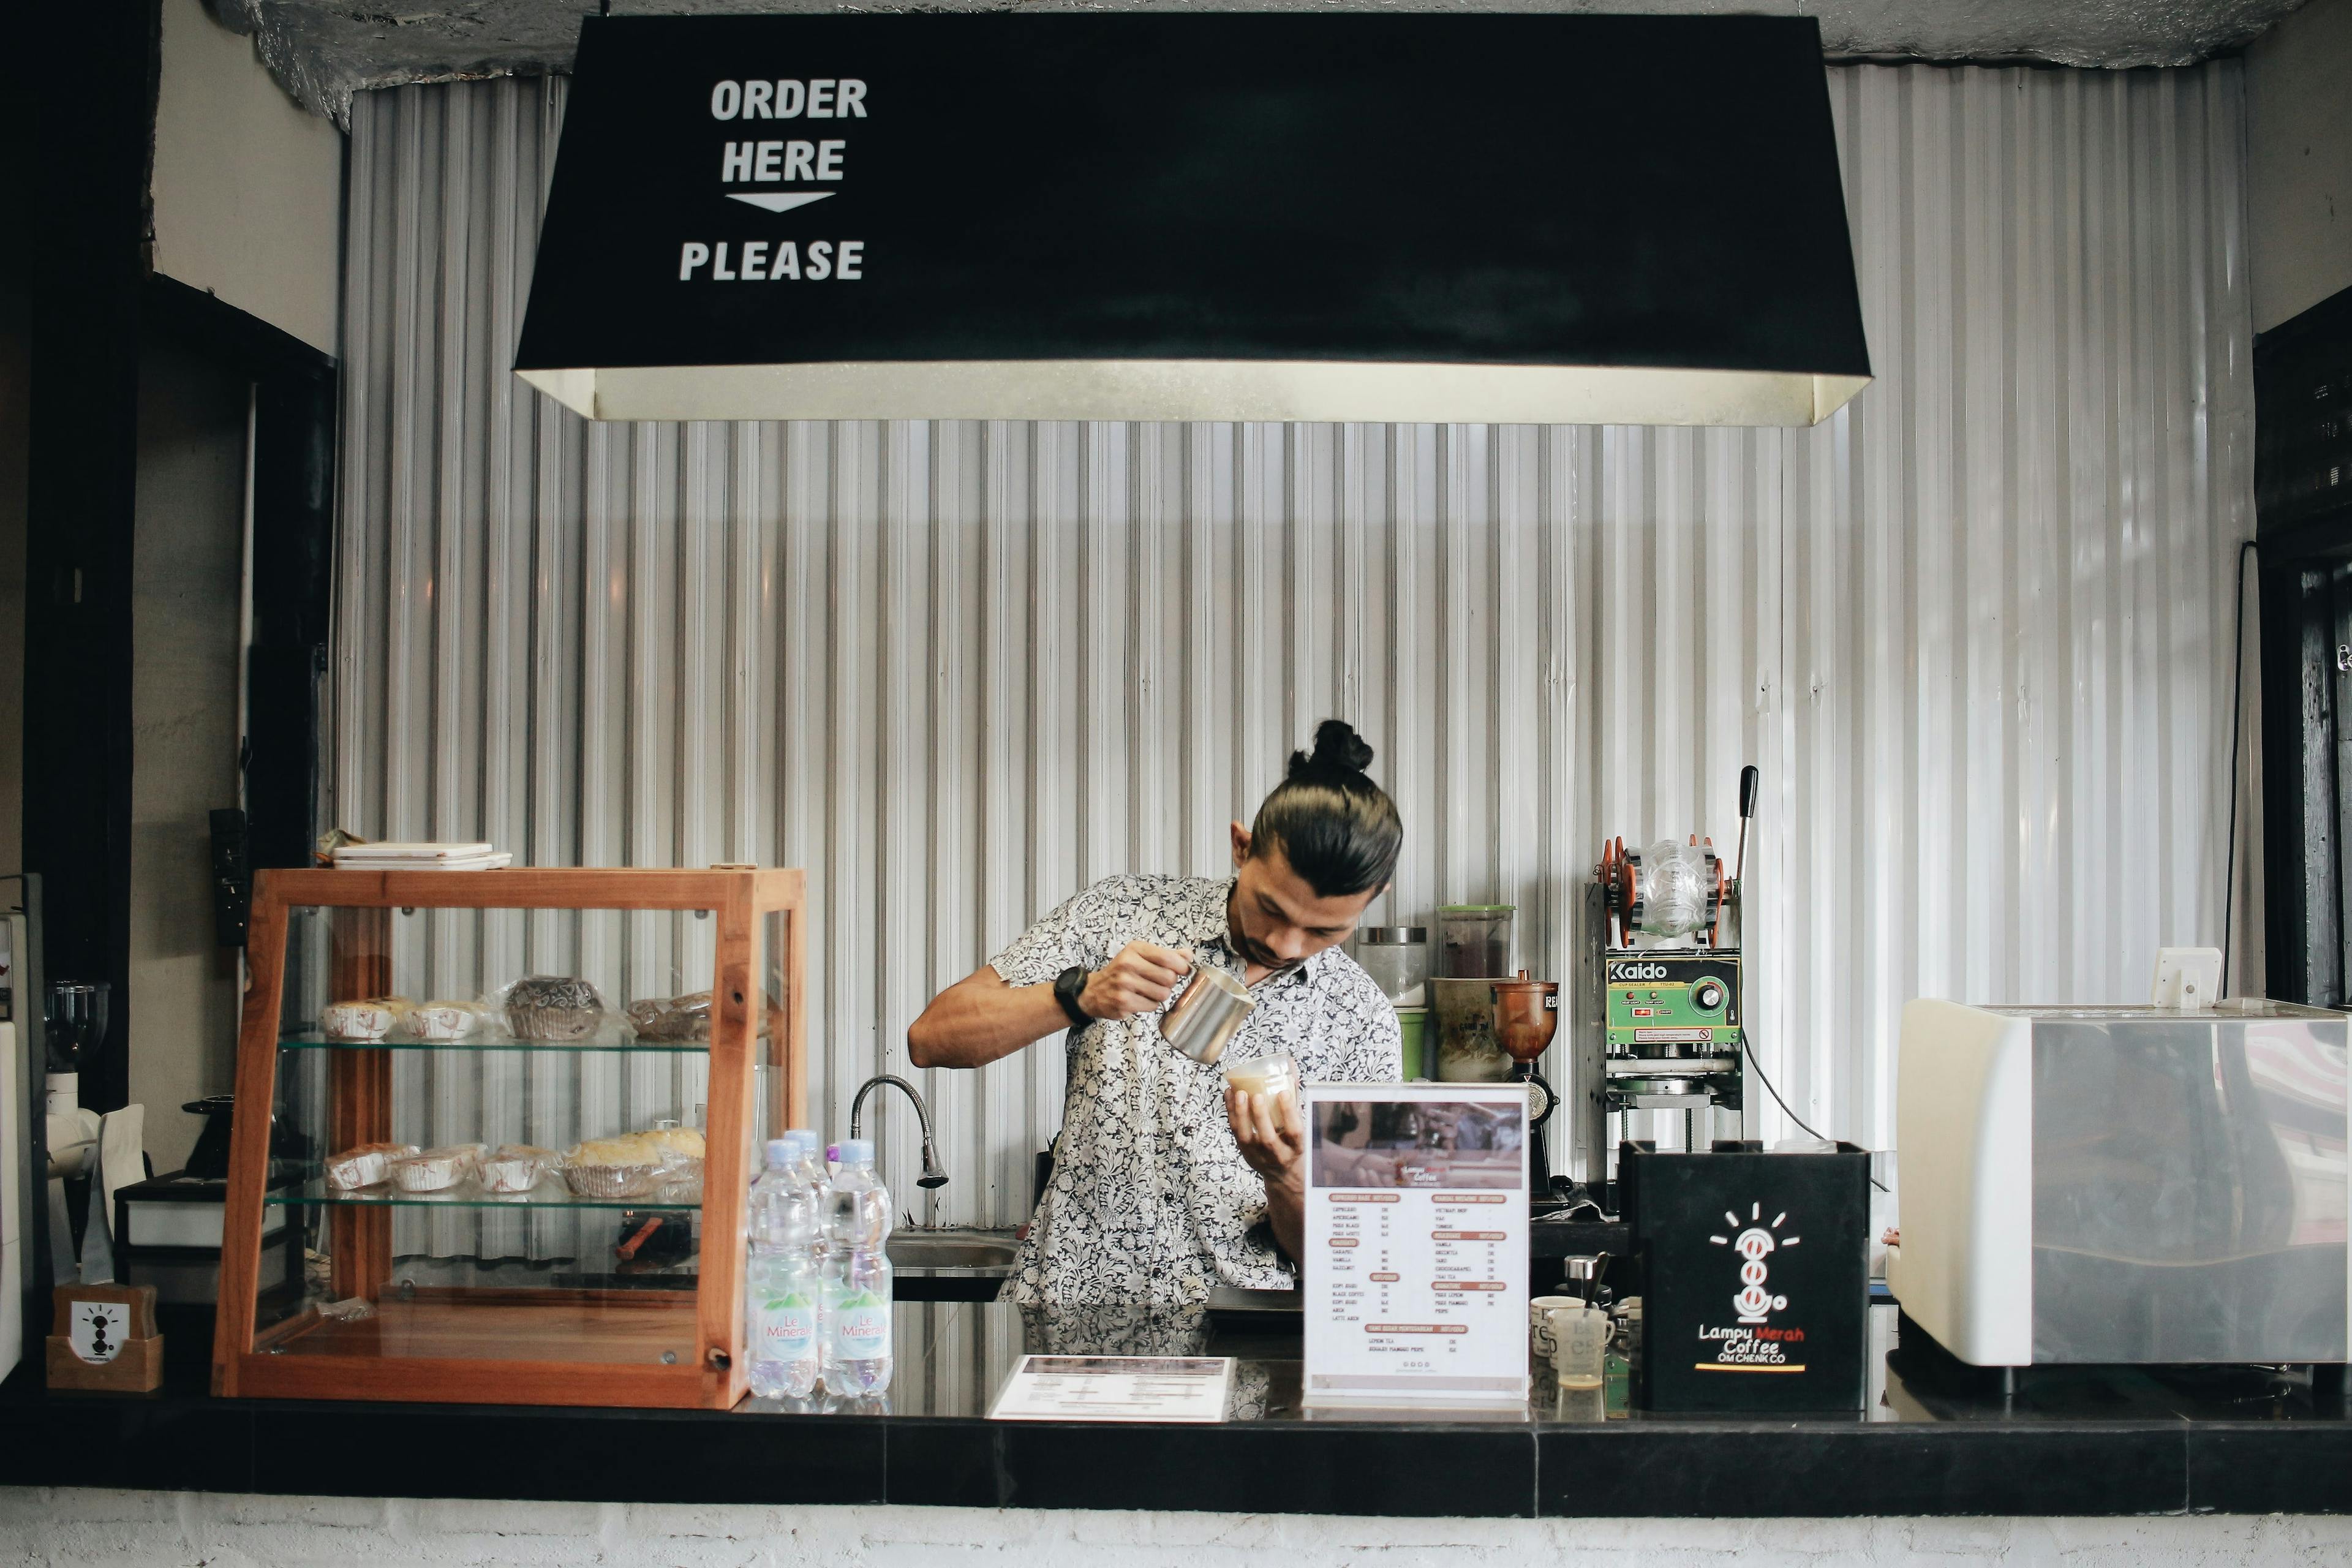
x: 516, y: 1168
x: 438, y: 1170
x: 445, y: 1021
x: 363, y: 1022
x: 632, y: 1166
x: 364, y: 1166
x: 561, y: 1009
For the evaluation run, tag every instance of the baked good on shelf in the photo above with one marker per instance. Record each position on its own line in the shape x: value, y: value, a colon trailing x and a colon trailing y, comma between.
x: 444, y: 1021
x: 680, y: 1019
x: 437, y: 1169
x: 364, y: 1166
x: 679, y: 1143
x: 682, y: 1148
x: 553, y: 1008
x: 671, y: 1018
x: 630, y: 1166
x: 515, y: 1168
x: 363, y: 1022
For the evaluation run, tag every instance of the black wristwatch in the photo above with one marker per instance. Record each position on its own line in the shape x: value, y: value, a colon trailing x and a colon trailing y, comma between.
x: 1068, y: 986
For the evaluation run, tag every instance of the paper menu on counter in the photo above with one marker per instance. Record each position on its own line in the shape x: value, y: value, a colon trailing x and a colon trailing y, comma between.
x: 1416, y: 1267
x: 1115, y: 1388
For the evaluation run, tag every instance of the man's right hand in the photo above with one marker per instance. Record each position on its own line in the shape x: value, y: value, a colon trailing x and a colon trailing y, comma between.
x: 1136, y: 981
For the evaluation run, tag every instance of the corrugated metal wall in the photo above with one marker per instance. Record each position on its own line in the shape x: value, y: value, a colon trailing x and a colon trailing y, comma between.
x: 1973, y: 628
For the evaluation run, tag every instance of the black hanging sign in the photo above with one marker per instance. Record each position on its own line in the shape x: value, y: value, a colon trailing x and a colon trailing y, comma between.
x: 1205, y: 216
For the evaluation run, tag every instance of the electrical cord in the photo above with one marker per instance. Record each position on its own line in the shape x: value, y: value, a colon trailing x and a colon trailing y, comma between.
x: 1749, y: 1045
x: 2237, y: 710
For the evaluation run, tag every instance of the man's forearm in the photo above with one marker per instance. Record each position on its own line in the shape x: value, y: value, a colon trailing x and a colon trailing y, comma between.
x: 980, y: 1019
x: 1286, y: 1214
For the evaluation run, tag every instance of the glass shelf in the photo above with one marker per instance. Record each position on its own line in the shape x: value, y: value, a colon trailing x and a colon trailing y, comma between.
x: 673, y: 1047
x: 551, y: 1194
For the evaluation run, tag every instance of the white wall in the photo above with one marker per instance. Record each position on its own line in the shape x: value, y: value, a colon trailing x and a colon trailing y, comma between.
x: 2299, y: 160
x: 164, y: 1529
x: 248, y: 185
x: 1974, y: 628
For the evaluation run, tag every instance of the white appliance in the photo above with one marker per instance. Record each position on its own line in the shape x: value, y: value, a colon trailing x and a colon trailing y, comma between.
x: 2125, y: 1184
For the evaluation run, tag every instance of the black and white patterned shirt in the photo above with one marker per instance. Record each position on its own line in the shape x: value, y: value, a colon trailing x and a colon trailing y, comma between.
x: 1150, y: 1200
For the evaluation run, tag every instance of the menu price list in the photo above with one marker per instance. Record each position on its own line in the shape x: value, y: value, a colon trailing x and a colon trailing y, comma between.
x: 1417, y: 1244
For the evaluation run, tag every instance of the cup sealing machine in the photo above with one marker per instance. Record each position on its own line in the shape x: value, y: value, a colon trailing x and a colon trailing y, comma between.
x: 1660, y: 1022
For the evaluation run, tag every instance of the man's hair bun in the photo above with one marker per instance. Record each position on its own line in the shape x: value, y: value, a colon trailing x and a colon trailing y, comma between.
x: 1338, y: 828
x: 1338, y: 750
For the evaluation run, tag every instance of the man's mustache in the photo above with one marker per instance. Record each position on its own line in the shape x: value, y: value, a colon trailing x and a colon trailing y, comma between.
x: 1261, y: 956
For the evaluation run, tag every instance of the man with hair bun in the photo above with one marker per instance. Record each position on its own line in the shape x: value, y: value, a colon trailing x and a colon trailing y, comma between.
x: 1165, y: 1183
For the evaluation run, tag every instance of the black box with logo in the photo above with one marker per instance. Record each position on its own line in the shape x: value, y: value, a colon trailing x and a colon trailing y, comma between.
x: 1755, y: 1277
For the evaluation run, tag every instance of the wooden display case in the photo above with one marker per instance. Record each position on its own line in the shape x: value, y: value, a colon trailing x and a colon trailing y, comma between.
x: 557, y: 1294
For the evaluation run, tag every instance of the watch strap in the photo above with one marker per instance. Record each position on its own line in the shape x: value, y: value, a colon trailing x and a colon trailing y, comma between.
x: 1067, y: 985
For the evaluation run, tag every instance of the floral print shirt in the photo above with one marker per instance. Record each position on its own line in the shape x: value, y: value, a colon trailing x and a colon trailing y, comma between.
x: 1150, y: 1201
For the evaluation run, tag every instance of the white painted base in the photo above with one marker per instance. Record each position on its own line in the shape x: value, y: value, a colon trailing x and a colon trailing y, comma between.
x: 133, y: 1530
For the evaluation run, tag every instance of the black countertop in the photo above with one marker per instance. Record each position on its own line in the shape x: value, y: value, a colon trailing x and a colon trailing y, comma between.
x: 1938, y: 1438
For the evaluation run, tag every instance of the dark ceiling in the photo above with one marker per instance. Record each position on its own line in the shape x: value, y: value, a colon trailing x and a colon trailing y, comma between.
x: 324, y: 52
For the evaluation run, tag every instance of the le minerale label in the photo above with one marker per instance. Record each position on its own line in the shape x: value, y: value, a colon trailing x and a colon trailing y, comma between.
x: 762, y: 165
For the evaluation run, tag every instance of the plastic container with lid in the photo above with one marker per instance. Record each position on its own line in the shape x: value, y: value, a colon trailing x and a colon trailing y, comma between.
x: 1474, y: 941
x: 1420, y: 1061
x: 1397, y: 958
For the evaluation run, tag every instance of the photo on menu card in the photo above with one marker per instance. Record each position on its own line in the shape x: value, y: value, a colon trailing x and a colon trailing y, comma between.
x: 1458, y: 1145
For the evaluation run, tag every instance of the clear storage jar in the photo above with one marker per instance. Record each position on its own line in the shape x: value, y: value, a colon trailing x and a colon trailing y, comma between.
x: 1397, y: 958
x: 1474, y: 940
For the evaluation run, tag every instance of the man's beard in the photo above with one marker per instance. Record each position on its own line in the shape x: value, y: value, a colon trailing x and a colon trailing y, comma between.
x: 1248, y: 950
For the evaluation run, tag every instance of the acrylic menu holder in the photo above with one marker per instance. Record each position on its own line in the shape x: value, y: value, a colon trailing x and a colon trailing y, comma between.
x: 1416, y: 1234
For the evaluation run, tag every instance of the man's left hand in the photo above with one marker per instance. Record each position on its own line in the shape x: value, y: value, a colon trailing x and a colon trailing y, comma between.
x: 1272, y: 1134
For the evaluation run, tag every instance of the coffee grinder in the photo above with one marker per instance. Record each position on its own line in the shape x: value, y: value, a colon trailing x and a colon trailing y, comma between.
x: 1527, y: 1014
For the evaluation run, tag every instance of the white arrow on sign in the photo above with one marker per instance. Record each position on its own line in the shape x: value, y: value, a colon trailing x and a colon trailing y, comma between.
x: 779, y: 201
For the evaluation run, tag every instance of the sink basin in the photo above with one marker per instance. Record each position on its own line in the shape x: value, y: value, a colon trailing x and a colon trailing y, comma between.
x: 985, y: 1251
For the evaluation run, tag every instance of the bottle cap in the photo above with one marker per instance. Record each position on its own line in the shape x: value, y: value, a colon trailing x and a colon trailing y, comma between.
x: 806, y: 1136
x: 856, y: 1151
x: 781, y: 1151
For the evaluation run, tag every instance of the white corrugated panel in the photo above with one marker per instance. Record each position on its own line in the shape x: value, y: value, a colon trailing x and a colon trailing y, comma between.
x: 1973, y: 627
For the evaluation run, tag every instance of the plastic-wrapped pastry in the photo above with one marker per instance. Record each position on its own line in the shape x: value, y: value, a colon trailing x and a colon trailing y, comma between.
x: 680, y: 1143
x: 679, y: 1018
x: 672, y: 1018
x: 633, y: 1166
x: 364, y: 1166
x: 553, y: 1008
x: 682, y: 1151
x: 366, y: 1021
x: 438, y: 1170
x: 516, y: 1168
x: 444, y: 1020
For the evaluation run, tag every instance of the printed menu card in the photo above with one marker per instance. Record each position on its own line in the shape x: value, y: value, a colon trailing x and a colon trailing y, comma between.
x: 1416, y: 1267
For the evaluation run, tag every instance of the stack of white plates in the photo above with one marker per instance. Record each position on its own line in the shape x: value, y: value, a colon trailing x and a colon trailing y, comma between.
x: 420, y: 857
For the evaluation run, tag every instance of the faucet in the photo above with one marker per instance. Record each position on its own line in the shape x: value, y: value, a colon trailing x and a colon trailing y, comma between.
x: 932, y: 1175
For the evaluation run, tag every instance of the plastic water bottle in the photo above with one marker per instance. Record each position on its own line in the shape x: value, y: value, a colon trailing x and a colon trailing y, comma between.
x: 781, y: 1287
x: 809, y: 1172
x: 860, y: 1218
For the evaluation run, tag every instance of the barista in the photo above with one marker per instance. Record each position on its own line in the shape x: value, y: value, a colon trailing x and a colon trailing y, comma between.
x: 1166, y: 1184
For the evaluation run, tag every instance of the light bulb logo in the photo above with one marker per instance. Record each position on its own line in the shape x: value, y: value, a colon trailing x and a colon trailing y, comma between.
x: 1754, y: 1242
